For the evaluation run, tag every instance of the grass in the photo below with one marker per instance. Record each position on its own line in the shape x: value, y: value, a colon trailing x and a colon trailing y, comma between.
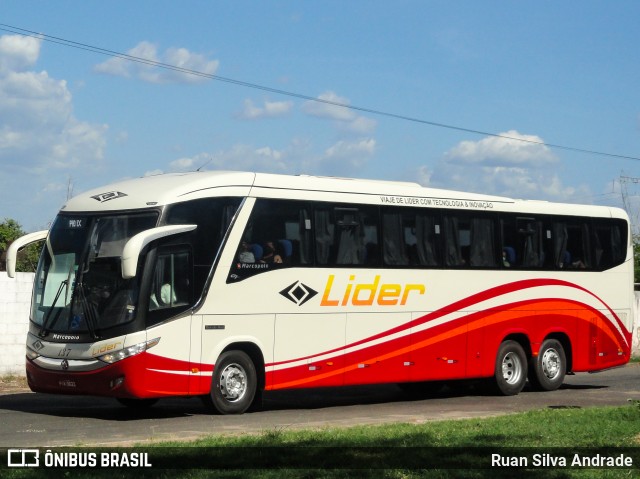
x: 399, y: 451
x: 12, y: 382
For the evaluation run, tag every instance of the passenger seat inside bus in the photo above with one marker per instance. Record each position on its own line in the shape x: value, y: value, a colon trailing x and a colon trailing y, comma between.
x: 257, y: 251
x: 509, y: 256
x: 285, y: 250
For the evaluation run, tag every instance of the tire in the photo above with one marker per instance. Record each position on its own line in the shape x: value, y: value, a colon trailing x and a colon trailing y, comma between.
x: 547, y: 371
x: 234, y: 383
x: 510, y: 373
x: 137, y: 403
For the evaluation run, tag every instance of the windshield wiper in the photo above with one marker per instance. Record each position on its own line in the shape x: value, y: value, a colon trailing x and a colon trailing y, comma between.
x: 43, y: 330
x: 89, y: 312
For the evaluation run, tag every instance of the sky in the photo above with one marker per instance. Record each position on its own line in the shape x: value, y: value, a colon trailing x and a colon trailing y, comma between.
x: 553, y: 73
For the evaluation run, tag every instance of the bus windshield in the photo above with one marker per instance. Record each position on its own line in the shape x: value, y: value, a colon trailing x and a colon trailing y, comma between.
x: 79, y: 287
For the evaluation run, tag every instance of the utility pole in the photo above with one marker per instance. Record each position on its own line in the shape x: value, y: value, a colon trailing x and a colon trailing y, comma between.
x: 629, y: 206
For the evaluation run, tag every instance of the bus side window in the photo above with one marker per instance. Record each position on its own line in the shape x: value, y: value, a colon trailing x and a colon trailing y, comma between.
x: 395, y: 251
x: 530, y: 248
x: 571, y: 244
x: 171, y: 282
x: 456, y: 242
x: 482, y: 248
x: 510, y: 241
x: 579, y: 244
x: 323, y: 231
x: 356, y: 236
x: 213, y: 217
x: 609, y: 244
x: 277, y: 235
x: 410, y: 238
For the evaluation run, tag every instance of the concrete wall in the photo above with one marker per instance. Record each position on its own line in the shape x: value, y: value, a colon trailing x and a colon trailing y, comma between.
x: 15, y: 301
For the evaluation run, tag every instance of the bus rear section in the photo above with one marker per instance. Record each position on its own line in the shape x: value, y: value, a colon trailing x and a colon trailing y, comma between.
x: 376, y: 294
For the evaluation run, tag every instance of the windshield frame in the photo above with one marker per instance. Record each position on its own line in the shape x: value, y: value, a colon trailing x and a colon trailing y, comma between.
x: 91, y: 301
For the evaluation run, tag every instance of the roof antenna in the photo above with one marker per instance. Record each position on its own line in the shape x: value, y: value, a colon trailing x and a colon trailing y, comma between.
x: 210, y: 160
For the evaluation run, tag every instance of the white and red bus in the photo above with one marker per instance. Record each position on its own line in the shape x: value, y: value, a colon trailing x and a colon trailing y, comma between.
x: 226, y: 284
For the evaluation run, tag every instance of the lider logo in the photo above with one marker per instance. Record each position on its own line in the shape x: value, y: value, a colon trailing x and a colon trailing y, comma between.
x: 355, y: 293
x: 298, y: 293
x: 366, y: 294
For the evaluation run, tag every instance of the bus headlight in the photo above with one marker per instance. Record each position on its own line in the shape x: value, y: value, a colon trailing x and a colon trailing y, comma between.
x: 128, y: 352
x: 31, y: 354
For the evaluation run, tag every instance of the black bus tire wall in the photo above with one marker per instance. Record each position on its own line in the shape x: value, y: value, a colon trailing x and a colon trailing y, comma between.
x: 547, y: 370
x: 510, y: 373
x: 234, y: 383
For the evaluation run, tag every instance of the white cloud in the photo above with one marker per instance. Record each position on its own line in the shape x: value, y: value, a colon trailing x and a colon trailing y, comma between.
x: 269, y: 152
x: 362, y: 125
x: 510, y: 148
x: 182, y: 164
x: 37, y: 126
x: 42, y: 143
x: 244, y: 157
x: 503, y: 166
x: 270, y: 109
x: 328, y: 107
x: 352, y: 149
x: 515, y: 182
x: 422, y: 175
x: 331, y: 110
x: 178, y: 57
x: 344, y: 158
x: 18, y: 52
x: 347, y: 158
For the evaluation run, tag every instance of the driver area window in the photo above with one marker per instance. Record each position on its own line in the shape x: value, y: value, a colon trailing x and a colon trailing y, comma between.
x: 171, y: 283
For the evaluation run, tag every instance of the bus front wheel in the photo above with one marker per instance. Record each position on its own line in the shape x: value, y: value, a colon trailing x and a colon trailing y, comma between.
x: 511, y: 368
x: 234, y: 383
x: 547, y: 371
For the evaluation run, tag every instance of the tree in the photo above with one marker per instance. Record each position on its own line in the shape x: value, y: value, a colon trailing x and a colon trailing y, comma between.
x: 27, y: 261
x: 636, y: 258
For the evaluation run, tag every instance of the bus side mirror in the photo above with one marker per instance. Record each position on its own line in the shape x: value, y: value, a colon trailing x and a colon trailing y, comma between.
x: 12, y: 251
x: 136, y: 244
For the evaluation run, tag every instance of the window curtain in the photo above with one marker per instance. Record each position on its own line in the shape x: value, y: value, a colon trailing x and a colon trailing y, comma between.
x: 394, y: 248
x: 426, y: 240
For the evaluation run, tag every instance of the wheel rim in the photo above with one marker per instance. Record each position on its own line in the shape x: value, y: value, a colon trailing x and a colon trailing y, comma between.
x: 551, y: 363
x: 511, y: 368
x: 233, y: 382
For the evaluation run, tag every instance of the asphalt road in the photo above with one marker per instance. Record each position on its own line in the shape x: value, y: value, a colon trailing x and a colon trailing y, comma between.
x: 41, y: 420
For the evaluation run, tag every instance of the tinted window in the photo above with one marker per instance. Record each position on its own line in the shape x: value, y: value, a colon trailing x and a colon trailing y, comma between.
x: 277, y: 235
x: 213, y: 217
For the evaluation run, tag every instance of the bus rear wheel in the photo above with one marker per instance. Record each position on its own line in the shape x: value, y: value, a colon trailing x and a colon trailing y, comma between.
x: 234, y: 383
x: 510, y: 373
x: 547, y: 371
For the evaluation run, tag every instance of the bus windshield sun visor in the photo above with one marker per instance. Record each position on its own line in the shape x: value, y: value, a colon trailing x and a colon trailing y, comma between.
x: 135, y: 245
x: 12, y: 252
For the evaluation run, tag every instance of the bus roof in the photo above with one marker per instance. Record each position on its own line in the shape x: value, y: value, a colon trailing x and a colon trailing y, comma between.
x: 164, y: 189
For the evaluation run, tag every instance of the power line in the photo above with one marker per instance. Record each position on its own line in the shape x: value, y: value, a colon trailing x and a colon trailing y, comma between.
x: 255, y: 86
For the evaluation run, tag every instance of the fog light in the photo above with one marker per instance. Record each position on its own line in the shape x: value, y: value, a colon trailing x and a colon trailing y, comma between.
x: 116, y: 383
